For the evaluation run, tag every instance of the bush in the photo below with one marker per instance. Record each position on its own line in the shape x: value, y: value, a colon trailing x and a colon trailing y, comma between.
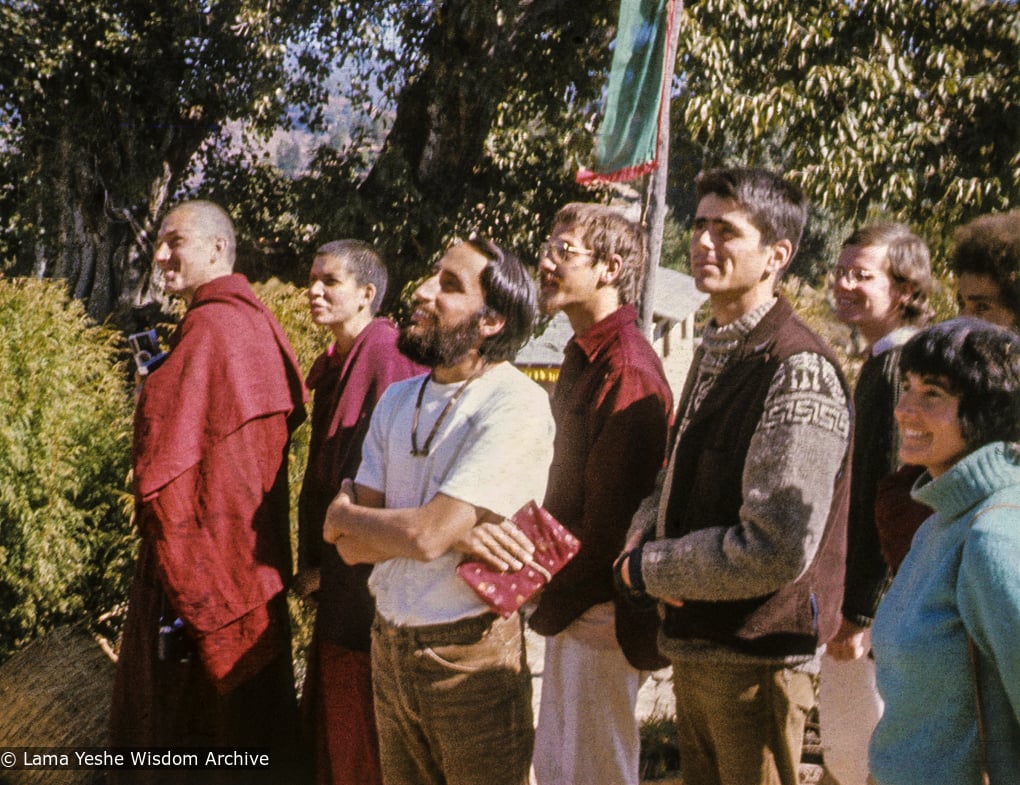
x: 66, y: 546
x: 289, y: 305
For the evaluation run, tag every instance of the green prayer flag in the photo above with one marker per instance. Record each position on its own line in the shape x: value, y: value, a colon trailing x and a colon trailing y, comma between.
x: 639, y: 83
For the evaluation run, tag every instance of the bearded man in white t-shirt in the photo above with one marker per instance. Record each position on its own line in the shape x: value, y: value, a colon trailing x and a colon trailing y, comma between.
x: 448, y: 457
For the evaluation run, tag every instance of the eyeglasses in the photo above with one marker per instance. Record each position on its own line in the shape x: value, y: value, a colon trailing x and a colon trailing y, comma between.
x: 853, y: 275
x: 558, y: 251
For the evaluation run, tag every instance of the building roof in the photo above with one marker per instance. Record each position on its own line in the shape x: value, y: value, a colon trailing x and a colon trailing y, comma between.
x: 546, y: 349
x: 676, y: 296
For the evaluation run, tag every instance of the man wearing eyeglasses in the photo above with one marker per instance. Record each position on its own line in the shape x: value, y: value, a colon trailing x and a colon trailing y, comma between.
x: 880, y: 285
x: 612, y: 406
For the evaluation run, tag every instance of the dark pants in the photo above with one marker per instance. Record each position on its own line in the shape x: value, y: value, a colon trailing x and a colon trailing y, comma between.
x: 172, y: 704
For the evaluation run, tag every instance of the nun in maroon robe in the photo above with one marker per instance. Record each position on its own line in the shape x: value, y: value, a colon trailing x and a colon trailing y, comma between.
x: 337, y: 697
x: 212, y: 431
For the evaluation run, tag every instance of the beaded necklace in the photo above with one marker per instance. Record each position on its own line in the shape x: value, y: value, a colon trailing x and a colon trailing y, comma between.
x: 424, y: 451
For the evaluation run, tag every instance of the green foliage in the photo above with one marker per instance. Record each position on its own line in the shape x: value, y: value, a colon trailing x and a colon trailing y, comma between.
x: 104, y: 106
x: 408, y: 123
x: 474, y: 117
x: 290, y: 306
x: 65, y: 434
x: 282, y: 220
x: 906, y: 108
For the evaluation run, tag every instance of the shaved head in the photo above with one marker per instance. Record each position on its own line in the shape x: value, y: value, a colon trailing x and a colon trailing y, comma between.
x: 195, y: 245
x: 211, y: 220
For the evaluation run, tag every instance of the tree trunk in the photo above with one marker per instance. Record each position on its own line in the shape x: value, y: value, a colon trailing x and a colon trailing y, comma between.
x: 433, y: 158
x: 101, y: 250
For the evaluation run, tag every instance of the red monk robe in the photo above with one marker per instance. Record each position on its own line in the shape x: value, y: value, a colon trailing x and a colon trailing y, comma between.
x: 337, y: 697
x: 212, y: 431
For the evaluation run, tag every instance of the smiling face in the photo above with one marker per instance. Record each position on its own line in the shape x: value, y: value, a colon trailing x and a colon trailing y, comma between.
x: 449, y: 320
x: 190, y: 251
x: 927, y: 416
x: 730, y: 262
x: 866, y: 295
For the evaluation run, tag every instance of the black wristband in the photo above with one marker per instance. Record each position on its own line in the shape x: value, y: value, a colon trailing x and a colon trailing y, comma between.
x: 637, y: 580
x: 633, y: 595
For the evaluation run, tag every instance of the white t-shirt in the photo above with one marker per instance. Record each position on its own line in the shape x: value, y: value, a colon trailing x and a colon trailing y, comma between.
x: 493, y: 450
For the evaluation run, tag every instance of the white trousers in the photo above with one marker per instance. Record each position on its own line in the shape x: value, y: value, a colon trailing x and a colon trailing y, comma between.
x: 587, y: 732
x: 849, y: 708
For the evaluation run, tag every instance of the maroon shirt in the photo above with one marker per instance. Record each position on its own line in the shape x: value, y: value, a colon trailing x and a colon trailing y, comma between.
x: 612, y: 406
x: 898, y: 515
x: 346, y: 390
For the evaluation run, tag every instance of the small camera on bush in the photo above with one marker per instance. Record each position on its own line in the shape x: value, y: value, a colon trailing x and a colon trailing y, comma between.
x: 173, y: 644
x: 145, y: 348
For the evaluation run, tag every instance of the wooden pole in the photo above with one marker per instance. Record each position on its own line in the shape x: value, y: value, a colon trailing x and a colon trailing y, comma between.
x: 654, y: 208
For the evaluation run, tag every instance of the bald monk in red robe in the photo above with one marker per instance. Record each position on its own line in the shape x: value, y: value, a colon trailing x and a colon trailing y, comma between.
x: 205, y: 659
x: 346, y: 286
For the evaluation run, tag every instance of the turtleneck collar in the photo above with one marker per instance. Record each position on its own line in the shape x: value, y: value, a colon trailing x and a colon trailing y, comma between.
x: 975, y: 477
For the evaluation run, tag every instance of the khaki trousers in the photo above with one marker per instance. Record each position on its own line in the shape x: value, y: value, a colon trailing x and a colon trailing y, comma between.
x: 741, y: 724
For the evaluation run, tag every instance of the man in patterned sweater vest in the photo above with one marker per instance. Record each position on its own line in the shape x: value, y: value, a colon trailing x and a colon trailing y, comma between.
x: 744, y: 543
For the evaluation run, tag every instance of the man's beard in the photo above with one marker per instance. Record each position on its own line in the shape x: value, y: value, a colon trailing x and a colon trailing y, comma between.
x: 428, y: 344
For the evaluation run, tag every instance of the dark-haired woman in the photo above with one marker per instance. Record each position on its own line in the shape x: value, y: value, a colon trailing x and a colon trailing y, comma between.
x: 958, y: 590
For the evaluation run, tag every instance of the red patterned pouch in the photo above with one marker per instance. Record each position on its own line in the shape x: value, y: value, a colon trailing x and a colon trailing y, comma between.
x: 505, y: 592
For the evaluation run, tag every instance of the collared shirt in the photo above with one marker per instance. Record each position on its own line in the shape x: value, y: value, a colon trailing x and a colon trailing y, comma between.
x: 612, y: 406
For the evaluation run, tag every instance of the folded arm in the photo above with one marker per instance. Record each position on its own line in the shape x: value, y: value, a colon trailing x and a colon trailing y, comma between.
x: 367, y: 532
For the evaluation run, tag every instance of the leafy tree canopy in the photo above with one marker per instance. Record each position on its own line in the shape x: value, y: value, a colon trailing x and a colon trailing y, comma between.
x: 905, y: 108
x: 471, y: 114
x: 104, y: 104
x: 486, y: 110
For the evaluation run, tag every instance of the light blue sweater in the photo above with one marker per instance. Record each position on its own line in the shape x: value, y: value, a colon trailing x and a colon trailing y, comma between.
x: 962, y: 575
